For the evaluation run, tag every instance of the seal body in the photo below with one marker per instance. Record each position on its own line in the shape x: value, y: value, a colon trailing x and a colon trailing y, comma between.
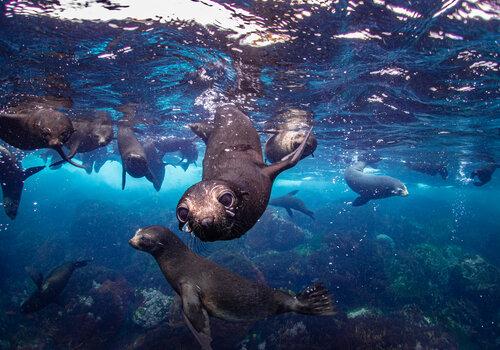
x: 186, y: 148
x: 429, y: 168
x: 236, y: 183
x: 134, y: 156
x: 290, y: 130
x: 289, y: 202
x: 12, y: 178
x: 370, y: 186
x: 207, y: 289
x: 36, y: 123
x: 49, y: 289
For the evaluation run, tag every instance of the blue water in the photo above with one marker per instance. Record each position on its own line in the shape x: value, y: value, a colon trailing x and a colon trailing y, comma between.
x: 405, y: 80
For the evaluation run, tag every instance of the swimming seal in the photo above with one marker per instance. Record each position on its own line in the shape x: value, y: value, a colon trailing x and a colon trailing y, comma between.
x: 483, y: 174
x: 429, y: 168
x: 186, y: 148
x: 207, y: 289
x: 12, y: 178
x: 290, y: 129
x: 133, y: 155
x: 289, y: 202
x: 89, y: 135
x: 370, y: 186
x: 36, y: 123
x: 49, y: 289
x: 236, y: 183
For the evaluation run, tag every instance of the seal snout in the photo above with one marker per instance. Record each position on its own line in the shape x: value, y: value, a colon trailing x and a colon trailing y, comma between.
x: 207, y: 222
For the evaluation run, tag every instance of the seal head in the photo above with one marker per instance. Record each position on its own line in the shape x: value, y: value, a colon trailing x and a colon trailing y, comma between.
x: 210, y: 208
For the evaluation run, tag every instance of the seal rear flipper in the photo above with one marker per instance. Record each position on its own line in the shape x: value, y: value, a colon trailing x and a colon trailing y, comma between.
x: 288, y: 161
x: 195, y: 315
x: 32, y: 171
x: 293, y: 193
x: 309, y: 213
x: 36, y: 276
x: 314, y: 300
x: 202, y: 130
x: 11, y: 198
x: 359, y: 201
x: 289, y: 211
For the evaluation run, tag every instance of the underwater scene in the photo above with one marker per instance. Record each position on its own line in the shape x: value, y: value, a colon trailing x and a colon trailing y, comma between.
x: 249, y: 174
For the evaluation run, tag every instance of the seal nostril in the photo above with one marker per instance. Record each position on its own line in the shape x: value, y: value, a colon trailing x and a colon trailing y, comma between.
x: 207, y: 222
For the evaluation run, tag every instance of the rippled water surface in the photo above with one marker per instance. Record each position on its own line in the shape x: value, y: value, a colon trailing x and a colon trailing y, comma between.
x: 409, y: 81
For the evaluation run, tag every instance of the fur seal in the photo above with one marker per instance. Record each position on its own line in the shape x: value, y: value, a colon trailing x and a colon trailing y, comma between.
x: 289, y: 129
x: 429, y: 168
x: 12, y: 178
x: 36, y: 123
x: 207, y: 289
x: 49, y: 289
x: 370, y: 186
x: 236, y: 183
x: 186, y: 148
x: 134, y: 158
x: 289, y: 202
x: 483, y: 174
x: 89, y: 135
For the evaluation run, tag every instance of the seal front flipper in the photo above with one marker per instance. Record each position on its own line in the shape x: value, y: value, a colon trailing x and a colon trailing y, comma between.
x: 71, y: 154
x: 65, y: 157
x: 359, y: 201
x: 288, y: 161
x: 32, y: 171
x: 293, y: 193
x: 195, y: 315
x: 289, y: 211
x: 202, y: 130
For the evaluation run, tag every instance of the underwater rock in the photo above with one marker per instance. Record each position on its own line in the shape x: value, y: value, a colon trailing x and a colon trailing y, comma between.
x: 385, y: 240
x: 477, y: 279
x: 272, y: 231
x: 153, y: 309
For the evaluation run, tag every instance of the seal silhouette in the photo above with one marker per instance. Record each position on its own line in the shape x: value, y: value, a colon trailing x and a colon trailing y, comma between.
x: 37, y: 123
x: 207, y: 289
x: 483, y: 174
x: 236, y: 183
x: 429, y: 168
x: 289, y: 202
x: 370, y: 186
x: 49, y: 289
x: 12, y: 178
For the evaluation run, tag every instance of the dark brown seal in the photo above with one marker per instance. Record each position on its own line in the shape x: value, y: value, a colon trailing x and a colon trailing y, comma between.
x: 37, y: 123
x: 289, y: 202
x: 236, y: 183
x: 207, y: 289
x: 49, y: 289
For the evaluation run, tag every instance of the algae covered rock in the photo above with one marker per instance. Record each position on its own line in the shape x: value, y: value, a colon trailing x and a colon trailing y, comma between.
x: 154, y: 308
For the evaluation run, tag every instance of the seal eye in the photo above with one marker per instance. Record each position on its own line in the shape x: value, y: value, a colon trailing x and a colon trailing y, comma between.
x: 182, y: 214
x: 226, y: 199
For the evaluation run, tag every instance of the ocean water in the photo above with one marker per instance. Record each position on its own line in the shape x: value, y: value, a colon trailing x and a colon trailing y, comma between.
x: 406, y: 81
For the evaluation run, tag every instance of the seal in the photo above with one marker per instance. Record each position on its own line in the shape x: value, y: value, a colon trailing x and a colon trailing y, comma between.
x: 289, y: 129
x: 483, y: 174
x: 372, y: 186
x: 289, y: 202
x: 49, y: 289
x: 133, y: 155
x: 236, y: 183
x: 429, y: 168
x: 12, y: 178
x: 89, y: 135
x: 186, y: 148
x: 36, y: 123
x: 207, y: 289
